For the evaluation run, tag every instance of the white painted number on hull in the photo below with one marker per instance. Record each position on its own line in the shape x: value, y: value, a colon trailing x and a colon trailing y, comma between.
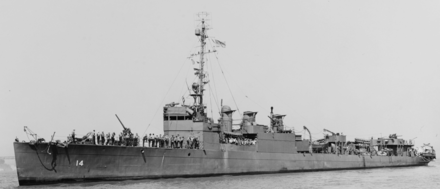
x: 80, y: 163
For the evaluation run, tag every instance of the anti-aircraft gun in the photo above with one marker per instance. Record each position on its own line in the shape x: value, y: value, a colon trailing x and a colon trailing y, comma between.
x: 335, y: 137
x: 126, y: 130
x: 276, y: 122
x: 394, y: 136
x: 335, y: 141
x: 127, y: 135
x: 326, y: 130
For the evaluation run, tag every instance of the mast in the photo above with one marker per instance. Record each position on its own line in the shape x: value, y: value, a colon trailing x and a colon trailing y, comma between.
x: 202, y: 53
x: 201, y: 32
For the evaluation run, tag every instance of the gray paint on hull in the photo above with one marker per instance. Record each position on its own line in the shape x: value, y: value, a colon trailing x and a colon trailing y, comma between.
x: 120, y: 163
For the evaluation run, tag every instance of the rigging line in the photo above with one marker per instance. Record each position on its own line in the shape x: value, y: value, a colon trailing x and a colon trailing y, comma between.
x: 191, y: 51
x: 210, y: 101
x: 210, y: 92
x: 160, y: 105
x: 253, y: 101
x: 214, y: 98
x: 188, y: 87
x: 299, y: 115
x: 183, y: 87
x: 263, y: 107
x: 215, y: 95
x: 210, y: 88
x: 239, y: 88
x: 212, y: 72
x: 233, y: 98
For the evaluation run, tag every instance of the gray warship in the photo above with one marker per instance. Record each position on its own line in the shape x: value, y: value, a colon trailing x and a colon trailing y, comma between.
x: 213, y: 148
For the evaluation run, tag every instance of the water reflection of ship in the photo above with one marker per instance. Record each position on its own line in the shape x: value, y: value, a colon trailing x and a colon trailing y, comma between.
x: 223, y: 150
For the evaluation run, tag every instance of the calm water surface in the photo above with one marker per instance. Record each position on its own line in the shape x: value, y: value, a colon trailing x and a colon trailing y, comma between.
x: 405, y: 177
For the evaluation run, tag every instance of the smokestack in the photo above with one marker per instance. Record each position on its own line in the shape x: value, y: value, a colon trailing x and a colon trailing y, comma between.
x: 226, y: 123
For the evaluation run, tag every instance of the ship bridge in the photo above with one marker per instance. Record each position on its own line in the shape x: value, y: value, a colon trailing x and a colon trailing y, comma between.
x: 181, y: 121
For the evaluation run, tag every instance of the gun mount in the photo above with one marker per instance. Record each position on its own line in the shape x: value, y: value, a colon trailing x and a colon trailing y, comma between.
x: 325, y: 130
x: 276, y: 122
x: 395, y: 136
x: 126, y: 130
x: 334, y: 137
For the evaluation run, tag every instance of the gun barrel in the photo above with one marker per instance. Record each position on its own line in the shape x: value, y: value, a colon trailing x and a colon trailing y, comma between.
x: 120, y: 122
x: 326, y: 130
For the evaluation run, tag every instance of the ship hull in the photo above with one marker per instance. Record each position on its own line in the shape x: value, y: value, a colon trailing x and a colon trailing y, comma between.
x: 41, y: 164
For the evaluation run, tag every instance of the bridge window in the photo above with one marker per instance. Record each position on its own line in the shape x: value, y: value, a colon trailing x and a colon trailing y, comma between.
x: 173, y: 118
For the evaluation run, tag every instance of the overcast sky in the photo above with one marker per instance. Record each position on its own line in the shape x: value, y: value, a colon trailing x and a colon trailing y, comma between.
x: 363, y: 68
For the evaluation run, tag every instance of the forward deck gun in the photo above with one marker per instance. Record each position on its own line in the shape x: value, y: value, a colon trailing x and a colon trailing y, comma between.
x: 126, y: 130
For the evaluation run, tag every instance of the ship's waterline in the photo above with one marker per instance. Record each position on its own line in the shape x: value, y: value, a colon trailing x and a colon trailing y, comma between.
x: 90, y: 163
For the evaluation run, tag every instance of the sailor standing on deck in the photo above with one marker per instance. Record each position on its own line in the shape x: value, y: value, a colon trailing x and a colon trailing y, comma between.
x: 97, y: 138
x: 94, y: 137
x: 181, y: 142
x: 108, y: 138
x: 136, y: 140
x: 120, y: 139
x: 156, y: 141
x: 102, y: 138
x: 177, y: 141
x: 189, y: 142
x: 196, y: 142
x: 143, y: 140
x: 159, y: 141
x: 73, y: 136
x: 113, y: 138
x: 172, y: 141
x: 167, y: 141
x: 162, y: 141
